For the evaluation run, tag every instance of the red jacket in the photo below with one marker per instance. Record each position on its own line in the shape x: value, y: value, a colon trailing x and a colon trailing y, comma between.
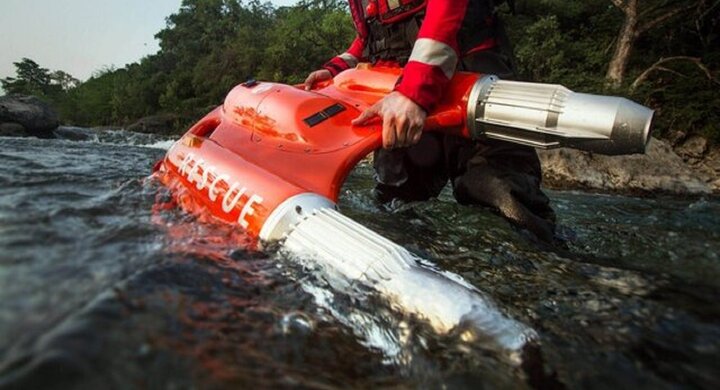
x: 434, y: 56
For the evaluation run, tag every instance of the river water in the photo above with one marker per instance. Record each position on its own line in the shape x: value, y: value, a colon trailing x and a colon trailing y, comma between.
x: 103, y: 286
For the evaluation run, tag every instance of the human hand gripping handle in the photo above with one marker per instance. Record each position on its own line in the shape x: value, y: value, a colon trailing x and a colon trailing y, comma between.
x: 316, y: 77
x: 402, y: 120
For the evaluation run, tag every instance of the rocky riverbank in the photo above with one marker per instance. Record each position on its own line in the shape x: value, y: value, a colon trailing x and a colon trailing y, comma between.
x: 683, y: 166
x: 28, y: 116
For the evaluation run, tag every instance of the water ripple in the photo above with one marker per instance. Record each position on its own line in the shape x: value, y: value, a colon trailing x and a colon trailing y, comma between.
x: 103, y: 284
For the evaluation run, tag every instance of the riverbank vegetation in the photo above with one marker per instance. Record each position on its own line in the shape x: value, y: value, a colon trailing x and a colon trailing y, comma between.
x: 663, y: 53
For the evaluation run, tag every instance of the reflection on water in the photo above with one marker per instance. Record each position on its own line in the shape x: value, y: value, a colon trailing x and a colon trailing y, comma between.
x: 102, y: 286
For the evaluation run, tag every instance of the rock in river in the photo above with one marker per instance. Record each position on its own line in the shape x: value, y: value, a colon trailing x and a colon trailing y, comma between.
x: 26, y: 116
x: 156, y: 124
x: 659, y: 170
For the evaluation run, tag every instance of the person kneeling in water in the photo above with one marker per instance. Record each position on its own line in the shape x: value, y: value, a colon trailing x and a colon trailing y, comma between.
x: 431, y: 40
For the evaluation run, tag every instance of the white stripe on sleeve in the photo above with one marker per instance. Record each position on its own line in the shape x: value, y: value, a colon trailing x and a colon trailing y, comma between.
x: 432, y: 52
x: 349, y: 59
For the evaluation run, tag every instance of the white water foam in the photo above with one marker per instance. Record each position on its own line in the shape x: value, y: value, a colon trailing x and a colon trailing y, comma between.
x: 164, y: 145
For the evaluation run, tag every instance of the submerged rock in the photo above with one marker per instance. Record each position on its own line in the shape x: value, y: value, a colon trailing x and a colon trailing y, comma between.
x: 75, y: 133
x: 35, y: 117
x: 156, y: 124
x: 659, y: 170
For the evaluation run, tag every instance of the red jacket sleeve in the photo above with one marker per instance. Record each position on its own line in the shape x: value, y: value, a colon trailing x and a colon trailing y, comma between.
x: 347, y: 60
x: 435, y: 54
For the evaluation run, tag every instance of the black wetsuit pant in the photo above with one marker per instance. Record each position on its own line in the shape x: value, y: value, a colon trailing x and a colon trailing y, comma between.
x: 496, y: 174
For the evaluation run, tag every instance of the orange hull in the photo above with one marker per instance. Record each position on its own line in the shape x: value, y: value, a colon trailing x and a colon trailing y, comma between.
x: 269, y: 142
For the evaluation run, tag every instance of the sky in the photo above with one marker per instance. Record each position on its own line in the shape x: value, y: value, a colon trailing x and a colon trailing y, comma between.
x: 82, y: 36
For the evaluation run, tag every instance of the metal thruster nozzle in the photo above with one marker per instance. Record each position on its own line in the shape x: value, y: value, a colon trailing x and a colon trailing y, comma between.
x: 549, y: 116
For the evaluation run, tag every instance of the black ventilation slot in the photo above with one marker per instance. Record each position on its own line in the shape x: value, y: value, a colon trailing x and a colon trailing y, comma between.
x: 316, y: 119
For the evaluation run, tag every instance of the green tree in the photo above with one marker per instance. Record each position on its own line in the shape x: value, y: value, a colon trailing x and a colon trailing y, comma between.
x: 64, y: 80
x: 54, y: 87
x: 31, y: 79
x: 671, y: 63
x: 304, y: 37
x: 639, y: 18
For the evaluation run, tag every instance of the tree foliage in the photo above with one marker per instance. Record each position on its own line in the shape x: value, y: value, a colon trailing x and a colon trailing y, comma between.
x: 32, y: 79
x: 673, y: 65
x: 208, y: 46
